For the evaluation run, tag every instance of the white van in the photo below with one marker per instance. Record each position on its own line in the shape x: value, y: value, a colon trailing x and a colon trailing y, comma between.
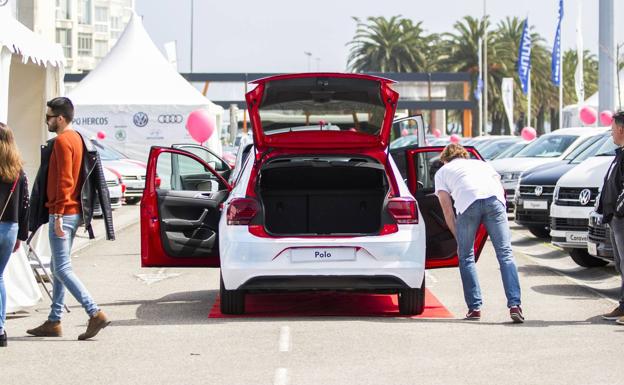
x: 574, y: 199
x: 547, y: 148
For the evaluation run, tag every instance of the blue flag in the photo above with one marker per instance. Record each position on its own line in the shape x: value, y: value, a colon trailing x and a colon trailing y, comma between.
x: 524, y: 57
x: 556, y: 51
x: 479, y: 89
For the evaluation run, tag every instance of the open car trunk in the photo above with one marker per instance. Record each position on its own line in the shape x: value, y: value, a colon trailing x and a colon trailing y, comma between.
x: 322, y: 195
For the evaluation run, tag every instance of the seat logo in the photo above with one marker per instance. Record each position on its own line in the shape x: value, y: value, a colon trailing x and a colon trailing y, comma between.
x: 538, y: 190
x: 584, y: 197
x: 140, y: 119
x: 170, y: 118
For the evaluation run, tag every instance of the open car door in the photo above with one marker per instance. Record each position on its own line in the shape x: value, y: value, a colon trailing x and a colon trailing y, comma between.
x: 180, y: 210
x: 215, y: 161
x: 414, y: 125
x: 422, y: 164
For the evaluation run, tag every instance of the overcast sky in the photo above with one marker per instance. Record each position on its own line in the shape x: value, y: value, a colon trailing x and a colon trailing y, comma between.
x: 272, y: 35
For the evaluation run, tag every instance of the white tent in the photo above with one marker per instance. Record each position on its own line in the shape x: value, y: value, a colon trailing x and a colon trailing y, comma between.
x: 138, y: 99
x: 31, y: 72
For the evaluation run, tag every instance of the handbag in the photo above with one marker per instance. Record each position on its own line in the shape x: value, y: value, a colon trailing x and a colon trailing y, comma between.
x: 9, y: 197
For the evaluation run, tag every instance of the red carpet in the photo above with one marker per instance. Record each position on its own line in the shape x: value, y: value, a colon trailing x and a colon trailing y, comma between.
x: 329, y: 304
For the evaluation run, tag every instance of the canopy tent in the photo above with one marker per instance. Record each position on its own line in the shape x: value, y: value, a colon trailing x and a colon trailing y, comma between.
x: 31, y: 72
x: 138, y: 99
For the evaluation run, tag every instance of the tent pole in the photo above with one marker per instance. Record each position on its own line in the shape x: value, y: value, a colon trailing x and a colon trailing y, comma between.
x: 205, y: 90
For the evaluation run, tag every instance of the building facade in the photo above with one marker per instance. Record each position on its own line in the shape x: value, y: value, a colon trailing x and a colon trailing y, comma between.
x: 86, y: 29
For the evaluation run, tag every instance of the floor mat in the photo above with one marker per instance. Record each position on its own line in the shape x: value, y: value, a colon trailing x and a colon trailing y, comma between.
x: 329, y: 304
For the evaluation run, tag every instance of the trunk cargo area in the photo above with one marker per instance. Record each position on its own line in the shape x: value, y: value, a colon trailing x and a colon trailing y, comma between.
x: 322, y: 196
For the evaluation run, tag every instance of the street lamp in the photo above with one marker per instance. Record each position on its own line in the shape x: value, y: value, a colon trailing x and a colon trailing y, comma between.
x: 309, y: 55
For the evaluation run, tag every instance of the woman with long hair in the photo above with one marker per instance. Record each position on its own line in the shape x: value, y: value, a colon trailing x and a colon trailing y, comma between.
x: 13, y: 210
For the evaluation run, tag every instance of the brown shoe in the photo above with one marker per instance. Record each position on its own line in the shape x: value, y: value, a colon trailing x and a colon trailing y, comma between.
x: 96, y: 323
x: 47, y: 329
x: 620, y: 321
x: 614, y: 315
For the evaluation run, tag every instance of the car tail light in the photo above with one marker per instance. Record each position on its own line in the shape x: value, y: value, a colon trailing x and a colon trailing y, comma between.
x: 403, y: 210
x: 241, y: 211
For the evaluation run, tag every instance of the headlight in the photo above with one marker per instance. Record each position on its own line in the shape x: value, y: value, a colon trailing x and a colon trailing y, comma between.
x: 597, y: 200
x: 556, y: 193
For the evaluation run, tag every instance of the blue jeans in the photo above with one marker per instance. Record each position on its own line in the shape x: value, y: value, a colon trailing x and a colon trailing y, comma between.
x: 63, y: 275
x: 492, y: 213
x: 8, y: 235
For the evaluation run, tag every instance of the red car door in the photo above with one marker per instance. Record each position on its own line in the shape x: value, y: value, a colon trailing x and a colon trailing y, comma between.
x: 180, y: 210
x: 422, y: 163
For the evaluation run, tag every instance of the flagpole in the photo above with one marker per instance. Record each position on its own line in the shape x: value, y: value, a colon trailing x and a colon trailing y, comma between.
x: 560, y: 72
x: 529, y: 101
x: 485, y: 74
x: 478, y: 89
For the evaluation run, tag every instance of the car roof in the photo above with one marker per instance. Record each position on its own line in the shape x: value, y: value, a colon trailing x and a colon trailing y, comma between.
x: 582, y: 131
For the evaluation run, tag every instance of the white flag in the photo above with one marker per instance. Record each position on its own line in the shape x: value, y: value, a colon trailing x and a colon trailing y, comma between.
x: 579, y: 82
x: 508, y: 100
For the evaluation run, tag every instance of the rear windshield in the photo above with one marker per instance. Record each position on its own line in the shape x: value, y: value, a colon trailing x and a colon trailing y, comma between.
x: 316, y: 104
x: 547, y: 146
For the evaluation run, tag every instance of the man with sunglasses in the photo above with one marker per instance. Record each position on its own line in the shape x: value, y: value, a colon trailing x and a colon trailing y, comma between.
x: 612, y: 210
x: 62, y: 188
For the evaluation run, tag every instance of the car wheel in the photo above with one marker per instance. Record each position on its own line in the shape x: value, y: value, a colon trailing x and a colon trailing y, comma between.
x: 582, y: 258
x: 132, y: 200
x: 540, y: 232
x: 412, y: 301
x: 232, y: 301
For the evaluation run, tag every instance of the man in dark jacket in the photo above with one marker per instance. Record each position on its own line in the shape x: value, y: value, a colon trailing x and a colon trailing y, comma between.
x: 612, y: 214
x: 69, y: 195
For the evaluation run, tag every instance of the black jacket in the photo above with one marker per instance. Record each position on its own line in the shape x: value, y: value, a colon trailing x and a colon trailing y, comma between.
x: 17, y: 207
x: 612, y: 186
x: 93, y: 187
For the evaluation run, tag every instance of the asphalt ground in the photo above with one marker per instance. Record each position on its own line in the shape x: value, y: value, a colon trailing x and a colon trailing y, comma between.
x: 161, y: 333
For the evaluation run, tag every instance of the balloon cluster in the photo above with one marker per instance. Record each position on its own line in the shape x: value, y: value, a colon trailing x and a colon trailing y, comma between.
x: 589, y: 116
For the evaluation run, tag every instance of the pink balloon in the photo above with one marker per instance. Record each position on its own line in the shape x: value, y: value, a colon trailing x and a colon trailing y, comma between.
x: 455, y: 138
x: 528, y: 133
x: 587, y: 115
x: 436, y: 133
x: 404, y: 132
x: 101, y: 135
x: 200, y: 125
x: 606, y: 117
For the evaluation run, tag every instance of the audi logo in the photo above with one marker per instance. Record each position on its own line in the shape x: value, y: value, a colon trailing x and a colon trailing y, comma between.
x: 140, y: 119
x: 584, y: 196
x: 170, y: 118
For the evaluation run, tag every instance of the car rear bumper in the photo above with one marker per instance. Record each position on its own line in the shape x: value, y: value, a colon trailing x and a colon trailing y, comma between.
x: 248, y: 260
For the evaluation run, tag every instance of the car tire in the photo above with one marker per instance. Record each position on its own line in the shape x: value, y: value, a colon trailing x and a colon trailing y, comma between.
x: 539, y: 231
x: 232, y: 301
x: 412, y: 301
x: 132, y: 200
x: 582, y: 258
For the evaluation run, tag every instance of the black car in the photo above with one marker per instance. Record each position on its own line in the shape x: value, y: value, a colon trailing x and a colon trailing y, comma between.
x: 534, y: 194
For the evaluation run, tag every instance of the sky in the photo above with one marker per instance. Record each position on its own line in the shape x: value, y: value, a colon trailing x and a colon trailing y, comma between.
x: 273, y: 35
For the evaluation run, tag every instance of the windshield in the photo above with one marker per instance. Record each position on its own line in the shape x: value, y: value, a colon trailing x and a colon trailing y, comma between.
x: 608, y: 148
x: 547, y: 146
x: 591, y: 150
x: 510, y: 152
x: 321, y: 104
x: 495, y: 148
x: 584, y: 145
x: 107, y: 153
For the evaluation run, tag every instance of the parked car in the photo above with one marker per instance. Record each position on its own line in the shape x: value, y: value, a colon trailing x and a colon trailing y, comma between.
x: 512, y: 150
x: 536, y: 186
x: 491, y: 149
x: 308, y: 208
x: 599, y: 238
x: 115, y: 192
x: 132, y: 171
x: 574, y: 197
x: 547, y: 148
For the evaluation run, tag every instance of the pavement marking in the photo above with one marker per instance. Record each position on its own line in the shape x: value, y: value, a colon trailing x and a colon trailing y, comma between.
x: 281, y: 376
x: 161, y: 275
x: 284, y: 339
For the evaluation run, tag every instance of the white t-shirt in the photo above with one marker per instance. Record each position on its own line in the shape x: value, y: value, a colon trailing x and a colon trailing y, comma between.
x: 468, y: 180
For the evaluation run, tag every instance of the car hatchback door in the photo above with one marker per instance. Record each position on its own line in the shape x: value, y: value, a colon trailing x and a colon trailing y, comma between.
x: 422, y: 164
x: 180, y: 210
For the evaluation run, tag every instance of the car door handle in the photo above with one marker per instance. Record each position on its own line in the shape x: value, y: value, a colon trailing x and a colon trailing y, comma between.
x: 205, y: 195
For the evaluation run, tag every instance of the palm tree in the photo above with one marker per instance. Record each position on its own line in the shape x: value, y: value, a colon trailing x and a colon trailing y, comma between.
x: 388, y: 45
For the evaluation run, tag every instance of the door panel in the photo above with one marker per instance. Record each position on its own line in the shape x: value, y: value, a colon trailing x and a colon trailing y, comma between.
x: 180, y: 210
x: 422, y: 164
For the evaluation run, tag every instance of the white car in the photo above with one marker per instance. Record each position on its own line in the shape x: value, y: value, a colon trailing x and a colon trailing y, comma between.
x: 115, y: 192
x: 308, y: 209
x: 573, y: 200
x: 547, y: 148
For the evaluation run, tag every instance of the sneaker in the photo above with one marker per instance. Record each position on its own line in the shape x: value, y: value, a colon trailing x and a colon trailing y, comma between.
x: 473, y: 315
x: 516, y: 314
x: 617, y: 313
x: 620, y: 321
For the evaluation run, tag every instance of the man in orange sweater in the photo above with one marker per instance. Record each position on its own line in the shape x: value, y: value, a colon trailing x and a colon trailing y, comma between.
x: 63, y: 189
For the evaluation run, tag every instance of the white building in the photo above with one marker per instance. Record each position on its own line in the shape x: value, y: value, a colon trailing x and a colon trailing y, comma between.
x: 87, y: 29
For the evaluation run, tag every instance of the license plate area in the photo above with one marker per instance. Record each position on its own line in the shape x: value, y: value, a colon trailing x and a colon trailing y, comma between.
x: 592, y: 248
x: 576, y: 237
x: 535, y: 205
x: 322, y: 254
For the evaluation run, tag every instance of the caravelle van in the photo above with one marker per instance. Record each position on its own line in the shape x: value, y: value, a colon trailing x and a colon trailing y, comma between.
x: 316, y: 203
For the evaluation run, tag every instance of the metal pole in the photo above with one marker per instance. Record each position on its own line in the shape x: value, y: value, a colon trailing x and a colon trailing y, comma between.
x: 480, y: 59
x: 606, y: 59
x: 529, y: 101
x: 560, y: 76
x: 485, y: 73
x: 192, y: 9
x: 309, y: 55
